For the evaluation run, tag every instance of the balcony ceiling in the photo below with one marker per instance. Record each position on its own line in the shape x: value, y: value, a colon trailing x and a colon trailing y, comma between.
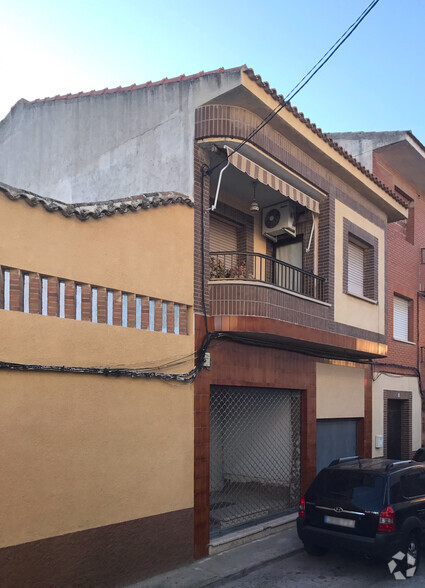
x: 240, y: 184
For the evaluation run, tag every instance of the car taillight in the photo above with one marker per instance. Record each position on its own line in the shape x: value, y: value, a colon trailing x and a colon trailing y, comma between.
x: 387, y: 520
x: 301, y: 509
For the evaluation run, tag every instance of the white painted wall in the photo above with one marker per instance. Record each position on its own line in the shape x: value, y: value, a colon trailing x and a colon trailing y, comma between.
x: 107, y: 146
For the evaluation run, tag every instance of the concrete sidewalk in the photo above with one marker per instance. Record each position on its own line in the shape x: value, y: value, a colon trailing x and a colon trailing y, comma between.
x: 234, y: 563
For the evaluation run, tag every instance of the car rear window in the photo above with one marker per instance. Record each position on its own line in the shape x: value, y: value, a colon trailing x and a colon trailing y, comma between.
x: 357, y: 489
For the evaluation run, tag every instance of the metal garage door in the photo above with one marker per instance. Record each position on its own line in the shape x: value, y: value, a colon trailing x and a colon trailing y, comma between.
x: 255, y: 446
x: 335, y: 438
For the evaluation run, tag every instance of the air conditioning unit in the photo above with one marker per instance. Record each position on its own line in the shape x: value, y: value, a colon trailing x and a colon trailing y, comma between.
x: 279, y: 219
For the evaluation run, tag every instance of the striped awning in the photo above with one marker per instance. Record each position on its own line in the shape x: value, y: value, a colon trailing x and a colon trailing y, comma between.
x: 257, y: 172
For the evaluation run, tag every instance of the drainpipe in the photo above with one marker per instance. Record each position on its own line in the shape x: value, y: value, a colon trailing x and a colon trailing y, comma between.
x: 214, y: 206
x: 312, y: 232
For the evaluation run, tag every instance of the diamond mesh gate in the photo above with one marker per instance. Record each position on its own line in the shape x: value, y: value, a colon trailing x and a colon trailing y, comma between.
x: 255, y: 455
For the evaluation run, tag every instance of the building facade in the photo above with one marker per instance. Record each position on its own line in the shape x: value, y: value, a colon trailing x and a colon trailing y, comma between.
x: 288, y: 281
x: 90, y: 307
x: 398, y: 159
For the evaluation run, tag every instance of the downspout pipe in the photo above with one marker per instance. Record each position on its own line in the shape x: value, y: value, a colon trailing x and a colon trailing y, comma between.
x: 214, y: 206
x: 312, y: 232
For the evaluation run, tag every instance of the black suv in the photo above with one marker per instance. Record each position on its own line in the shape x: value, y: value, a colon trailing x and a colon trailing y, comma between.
x: 375, y: 507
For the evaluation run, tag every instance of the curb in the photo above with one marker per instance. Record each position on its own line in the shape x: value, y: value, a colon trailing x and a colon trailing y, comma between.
x: 249, y: 570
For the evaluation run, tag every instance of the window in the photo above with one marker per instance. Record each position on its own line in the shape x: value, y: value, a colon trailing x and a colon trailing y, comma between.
x: 401, y: 317
x: 6, y: 289
x: 138, y: 312
x: 177, y: 319
x: 413, y: 484
x: 124, y: 310
x: 78, y: 302
x: 164, y: 317
x: 110, y: 308
x: 61, y: 299
x: 355, y: 269
x: 44, y: 296
x: 26, y: 293
x: 151, y: 314
x: 94, y: 305
x: 360, y: 262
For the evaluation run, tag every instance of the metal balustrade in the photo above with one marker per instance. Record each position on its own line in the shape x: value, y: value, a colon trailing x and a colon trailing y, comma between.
x: 257, y: 267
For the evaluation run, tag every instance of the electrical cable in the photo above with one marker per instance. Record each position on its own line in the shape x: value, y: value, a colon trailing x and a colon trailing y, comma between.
x: 191, y: 375
x: 303, y: 82
x: 204, y: 308
x: 117, y: 372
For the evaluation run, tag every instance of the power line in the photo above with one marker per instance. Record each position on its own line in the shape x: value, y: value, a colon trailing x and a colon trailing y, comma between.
x: 304, y: 81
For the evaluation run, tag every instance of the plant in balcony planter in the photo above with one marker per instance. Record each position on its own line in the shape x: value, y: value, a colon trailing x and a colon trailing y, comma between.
x: 238, y: 271
x: 218, y: 270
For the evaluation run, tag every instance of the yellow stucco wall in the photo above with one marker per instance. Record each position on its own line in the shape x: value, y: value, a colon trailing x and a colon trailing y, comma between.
x: 148, y: 252
x: 78, y: 452
x: 339, y: 391
x: 348, y: 309
x: 82, y: 451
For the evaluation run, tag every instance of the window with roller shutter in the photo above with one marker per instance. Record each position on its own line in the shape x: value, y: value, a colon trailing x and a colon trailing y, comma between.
x: 355, y: 269
x: 401, y: 318
x: 223, y: 235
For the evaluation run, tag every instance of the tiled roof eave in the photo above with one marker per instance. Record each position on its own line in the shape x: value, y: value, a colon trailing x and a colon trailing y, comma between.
x: 96, y: 210
x: 293, y: 110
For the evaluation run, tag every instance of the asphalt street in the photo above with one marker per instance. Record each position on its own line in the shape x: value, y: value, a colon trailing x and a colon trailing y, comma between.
x: 331, y: 570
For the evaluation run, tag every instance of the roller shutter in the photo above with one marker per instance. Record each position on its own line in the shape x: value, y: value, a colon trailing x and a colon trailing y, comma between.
x: 355, y: 269
x: 401, y: 318
x: 223, y: 235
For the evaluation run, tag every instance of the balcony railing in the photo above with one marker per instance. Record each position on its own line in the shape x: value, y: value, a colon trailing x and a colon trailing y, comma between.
x: 256, y: 267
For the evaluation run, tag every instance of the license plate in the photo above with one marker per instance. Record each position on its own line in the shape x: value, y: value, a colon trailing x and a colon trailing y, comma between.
x: 340, y: 522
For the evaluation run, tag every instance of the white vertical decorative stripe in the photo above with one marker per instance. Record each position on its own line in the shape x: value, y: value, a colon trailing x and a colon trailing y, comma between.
x: 164, y: 317
x: 124, y: 310
x: 61, y: 299
x: 94, y: 305
x: 78, y: 302
x: 44, y: 286
x: 177, y: 319
x: 355, y: 269
x: 401, y: 318
x: 138, y: 312
x: 26, y: 293
x: 110, y: 308
x: 6, y: 289
x: 151, y: 314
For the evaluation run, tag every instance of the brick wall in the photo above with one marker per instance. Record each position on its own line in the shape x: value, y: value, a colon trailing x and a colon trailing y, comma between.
x: 201, y: 158
x: 222, y: 120
x: 404, y: 257
x: 16, y: 302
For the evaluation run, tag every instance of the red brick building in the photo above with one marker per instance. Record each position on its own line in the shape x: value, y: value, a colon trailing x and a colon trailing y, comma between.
x: 289, y: 291
x: 398, y: 160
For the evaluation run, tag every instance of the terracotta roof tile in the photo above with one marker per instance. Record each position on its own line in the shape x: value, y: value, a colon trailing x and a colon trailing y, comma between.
x: 266, y: 87
x: 181, y: 78
x: 96, y: 210
x: 293, y: 109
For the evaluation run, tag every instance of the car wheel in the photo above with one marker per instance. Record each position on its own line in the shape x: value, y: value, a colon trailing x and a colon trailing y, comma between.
x: 405, y: 567
x: 413, y: 552
x: 315, y: 549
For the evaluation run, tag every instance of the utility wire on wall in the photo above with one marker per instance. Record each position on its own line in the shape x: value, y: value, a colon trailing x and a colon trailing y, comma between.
x: 189, y: 376
x: 304, y: 81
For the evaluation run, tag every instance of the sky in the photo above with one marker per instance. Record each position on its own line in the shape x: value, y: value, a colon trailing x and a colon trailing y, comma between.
x: 375, y: 82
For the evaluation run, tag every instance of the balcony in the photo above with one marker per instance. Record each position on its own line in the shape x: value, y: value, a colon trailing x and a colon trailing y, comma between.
x: 260, y: 268
x: 270, y: 292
